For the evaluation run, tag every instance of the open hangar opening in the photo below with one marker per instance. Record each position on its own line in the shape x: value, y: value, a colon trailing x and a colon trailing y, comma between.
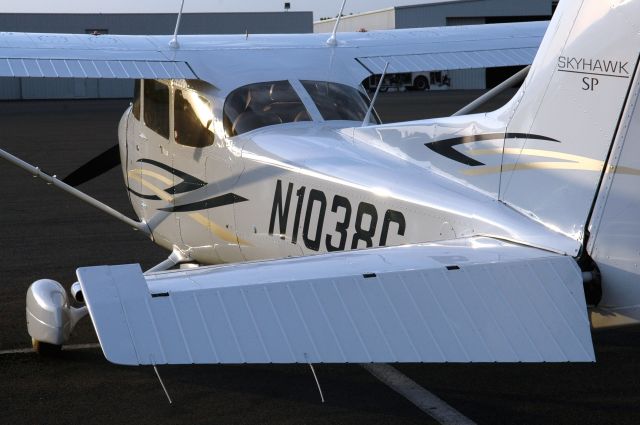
x: 437, y: 13
x: 130, y: 24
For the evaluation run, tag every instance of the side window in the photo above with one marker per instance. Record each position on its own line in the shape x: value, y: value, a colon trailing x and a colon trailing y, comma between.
x: 259, y: 105
x: 136, y: 100
x: 156, y: 107
x: 338, y: 101
x: 192, y: 117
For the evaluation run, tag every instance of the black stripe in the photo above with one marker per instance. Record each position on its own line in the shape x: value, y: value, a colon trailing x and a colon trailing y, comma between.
x: 445, y: 147
x: 140, y: 195
x: 189, y: 183
x: 218, y: 201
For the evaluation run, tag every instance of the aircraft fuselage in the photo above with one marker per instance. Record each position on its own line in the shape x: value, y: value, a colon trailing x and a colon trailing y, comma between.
x: 297, y: 188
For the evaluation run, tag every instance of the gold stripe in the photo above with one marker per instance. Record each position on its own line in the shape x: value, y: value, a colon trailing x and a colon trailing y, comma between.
x: 153, y: 174
x: 627, y: 170
x: 156, y: 191
x: 573, y: 162
x: 214, y: 228
x: 529, y: 166
x: 540, y: 153
x: 218, y: 230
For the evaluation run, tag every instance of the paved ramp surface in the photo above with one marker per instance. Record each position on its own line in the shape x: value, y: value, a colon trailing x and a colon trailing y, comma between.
x: 44, y: 233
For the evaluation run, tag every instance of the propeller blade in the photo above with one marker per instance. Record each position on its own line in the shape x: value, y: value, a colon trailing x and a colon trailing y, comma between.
x: 95, y: 167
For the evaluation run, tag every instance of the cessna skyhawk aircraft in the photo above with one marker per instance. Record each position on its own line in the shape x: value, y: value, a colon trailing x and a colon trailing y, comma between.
x: 474, y: 238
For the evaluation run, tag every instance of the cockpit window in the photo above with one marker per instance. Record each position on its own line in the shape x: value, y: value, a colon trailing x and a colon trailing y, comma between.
x: 156, y: 107
x: 260, y: 105
x: 192, y: 117
x: 339, y: 101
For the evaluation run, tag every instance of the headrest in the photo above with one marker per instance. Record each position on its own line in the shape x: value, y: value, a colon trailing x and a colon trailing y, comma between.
x: 283, y: 92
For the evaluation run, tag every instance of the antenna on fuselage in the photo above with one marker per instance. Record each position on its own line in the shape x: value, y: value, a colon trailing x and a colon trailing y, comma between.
x: 332, y: 41
x: 375, y: 96
x: 174, y: 41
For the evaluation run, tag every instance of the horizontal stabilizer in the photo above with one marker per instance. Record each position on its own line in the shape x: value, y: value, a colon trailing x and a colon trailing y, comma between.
x: 472, y: 300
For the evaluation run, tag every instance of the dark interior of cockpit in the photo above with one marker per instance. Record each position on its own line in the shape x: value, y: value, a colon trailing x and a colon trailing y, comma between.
x: 262, y: 104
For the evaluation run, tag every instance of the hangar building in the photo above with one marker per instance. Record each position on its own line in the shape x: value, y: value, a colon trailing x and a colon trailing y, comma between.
x: 132, y: 24
x: 435, y: 13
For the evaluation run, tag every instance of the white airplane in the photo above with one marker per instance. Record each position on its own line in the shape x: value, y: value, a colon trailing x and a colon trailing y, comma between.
x: 474, y: 238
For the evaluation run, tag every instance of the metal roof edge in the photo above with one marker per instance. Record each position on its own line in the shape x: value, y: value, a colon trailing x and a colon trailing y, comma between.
x: 356, y: 15
x: 435, y: 3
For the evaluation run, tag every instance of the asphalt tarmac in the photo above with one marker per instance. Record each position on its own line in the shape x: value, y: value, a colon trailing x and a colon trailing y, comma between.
x: 45, y: 233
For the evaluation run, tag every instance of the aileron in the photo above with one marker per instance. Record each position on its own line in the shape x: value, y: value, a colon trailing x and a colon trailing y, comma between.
x: 94, y: 68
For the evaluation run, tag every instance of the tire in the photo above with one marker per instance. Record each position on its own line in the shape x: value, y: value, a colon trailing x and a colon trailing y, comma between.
x: 45, y: 349
x: 421, y: 83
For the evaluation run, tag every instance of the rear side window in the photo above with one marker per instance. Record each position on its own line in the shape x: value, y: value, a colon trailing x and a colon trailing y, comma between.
x: 136, y: 100
x: 156, y: 107
x: 339, y: 101
x: 261, y: 105
x: 192, y: 118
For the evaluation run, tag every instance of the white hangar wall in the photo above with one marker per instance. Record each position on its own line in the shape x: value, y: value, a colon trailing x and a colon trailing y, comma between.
x: 383, y: 19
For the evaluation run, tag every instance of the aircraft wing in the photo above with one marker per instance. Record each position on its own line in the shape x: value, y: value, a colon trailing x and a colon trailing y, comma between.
x: 450, y: 48
x: 86, y: 56
x: 469, y: 300
x: 224, y: 60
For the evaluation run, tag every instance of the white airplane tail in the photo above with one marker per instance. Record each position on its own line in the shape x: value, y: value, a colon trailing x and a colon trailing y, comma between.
x: 567, y: 119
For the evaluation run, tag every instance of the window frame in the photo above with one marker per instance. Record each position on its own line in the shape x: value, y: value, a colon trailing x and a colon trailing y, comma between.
x: 138, y: 90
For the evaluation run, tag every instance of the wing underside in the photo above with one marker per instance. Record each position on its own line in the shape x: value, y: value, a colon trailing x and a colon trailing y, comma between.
x: 308, y: 56
x: 473, y: 300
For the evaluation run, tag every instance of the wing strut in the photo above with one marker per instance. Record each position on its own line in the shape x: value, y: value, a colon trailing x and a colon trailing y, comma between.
x: 367, y: 117
x: 37, y: 172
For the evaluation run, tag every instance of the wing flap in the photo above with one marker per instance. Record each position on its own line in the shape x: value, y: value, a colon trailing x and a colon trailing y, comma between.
x: 439, y: 61
x: 474, y: 300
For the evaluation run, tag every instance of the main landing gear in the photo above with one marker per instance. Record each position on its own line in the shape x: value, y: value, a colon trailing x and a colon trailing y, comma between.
x: 50, y: 316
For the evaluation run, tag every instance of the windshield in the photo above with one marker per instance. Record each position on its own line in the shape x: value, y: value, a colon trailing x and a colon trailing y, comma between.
x: 262, y: 104
x: 339, y: 101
